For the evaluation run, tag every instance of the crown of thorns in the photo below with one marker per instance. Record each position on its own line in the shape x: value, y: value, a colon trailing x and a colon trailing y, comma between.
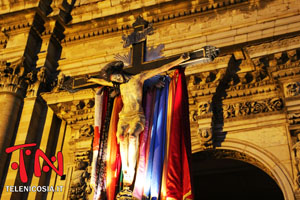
x: 115, y: 67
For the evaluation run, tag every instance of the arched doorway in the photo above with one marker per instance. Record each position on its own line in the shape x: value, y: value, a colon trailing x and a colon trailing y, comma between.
x: 221, y: 177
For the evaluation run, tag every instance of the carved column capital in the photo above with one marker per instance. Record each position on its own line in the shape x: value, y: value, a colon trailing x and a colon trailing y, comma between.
x: 12, y: 76
x: 35, y: 80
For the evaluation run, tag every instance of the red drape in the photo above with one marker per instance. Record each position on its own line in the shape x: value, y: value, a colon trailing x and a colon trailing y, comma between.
x: 113, y: 160
x: 178, y: 183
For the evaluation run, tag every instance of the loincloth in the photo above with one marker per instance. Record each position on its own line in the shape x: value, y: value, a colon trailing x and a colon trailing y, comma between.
x: 130, y: 121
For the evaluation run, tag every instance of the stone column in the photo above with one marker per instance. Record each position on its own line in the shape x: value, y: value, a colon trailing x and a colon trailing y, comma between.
x: 9, y: 112
x: 9, y: 116
x: 11, y: 99
x: 30, y: 130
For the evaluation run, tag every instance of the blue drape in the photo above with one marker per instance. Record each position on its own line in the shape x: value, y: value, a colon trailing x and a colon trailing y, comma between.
x: 157, y: 144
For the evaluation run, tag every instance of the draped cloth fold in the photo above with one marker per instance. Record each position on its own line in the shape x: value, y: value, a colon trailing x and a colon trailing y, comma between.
x: 178, y: 180
x: 163, y: 169
x: 160, y: 140
x: 147, y: 182
x: 100, y: 188
x: 141, y: 170
x: 157, y: 144
x: 97, y: 127
x: 171, y: 99
x: 113, y: 159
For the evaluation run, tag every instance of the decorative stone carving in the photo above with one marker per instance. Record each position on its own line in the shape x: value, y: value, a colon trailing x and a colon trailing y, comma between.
x: 285, y: 64
x: 86, y: 131
x: 292, y: 89
x: 204, y: 108
x: 193, y: 116
x: 239, y: 109
x: 294, y: 118
x: 34, y: 80
x: 76, y: 113
x: 59, y: 83
x: 260, y: 72
x: 296, y: 152
x: 191, y: 82
x: 254, y: 107
x: 205, y: 137
x: 63, y: 83
x: 292, y: 57
x: 79, y: 184
x: 12, y: 75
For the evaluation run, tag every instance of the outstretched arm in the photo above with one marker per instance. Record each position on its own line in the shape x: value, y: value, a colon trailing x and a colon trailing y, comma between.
x: 101, y: 82
x: 150, y: 73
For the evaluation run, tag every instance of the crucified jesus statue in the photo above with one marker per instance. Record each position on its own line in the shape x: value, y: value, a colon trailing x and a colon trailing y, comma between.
x: 131, y: 118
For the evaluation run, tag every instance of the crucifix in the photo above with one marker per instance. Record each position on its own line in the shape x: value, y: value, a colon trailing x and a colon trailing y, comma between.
x: 137, y: 39
x: 129, y: 81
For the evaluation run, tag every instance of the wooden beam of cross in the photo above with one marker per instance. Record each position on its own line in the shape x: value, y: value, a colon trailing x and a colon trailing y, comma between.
x: 137, y: 39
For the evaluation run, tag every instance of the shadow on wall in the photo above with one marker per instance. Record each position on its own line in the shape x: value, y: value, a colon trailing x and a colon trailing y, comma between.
x: 217, y: 102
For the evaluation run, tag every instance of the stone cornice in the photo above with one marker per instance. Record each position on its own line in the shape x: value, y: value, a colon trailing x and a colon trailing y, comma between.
x: 64, y: 96
x: 218, y: 63
x: 109, y: 24
x: 19, y: 6
x: 14, y: 21
x: 267, y: 48
x: 183, y: 8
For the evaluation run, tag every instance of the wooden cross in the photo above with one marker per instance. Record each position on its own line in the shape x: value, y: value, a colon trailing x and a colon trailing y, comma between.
x: 139, y: 51
x: 138, y: 64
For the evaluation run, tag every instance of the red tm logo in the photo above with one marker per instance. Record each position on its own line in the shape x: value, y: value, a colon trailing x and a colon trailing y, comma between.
x: 37, y: 167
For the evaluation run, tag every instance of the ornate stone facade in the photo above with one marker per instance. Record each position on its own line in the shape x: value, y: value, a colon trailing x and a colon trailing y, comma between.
x: 244, y: 105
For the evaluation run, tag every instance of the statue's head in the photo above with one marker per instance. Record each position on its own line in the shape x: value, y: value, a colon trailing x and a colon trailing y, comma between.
x: 113, y: 72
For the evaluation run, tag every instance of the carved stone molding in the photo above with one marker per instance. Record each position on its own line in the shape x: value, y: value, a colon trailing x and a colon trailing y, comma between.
x: 285, y: 64
x: 239, y: 109
x: 79, y: 186
x: 252, y: 107
x: 205, y: 80
x: 294, y: 118
x: 76, y: 113
x: 274, y: 47
x: 112, y: 28
x: 241, y: 84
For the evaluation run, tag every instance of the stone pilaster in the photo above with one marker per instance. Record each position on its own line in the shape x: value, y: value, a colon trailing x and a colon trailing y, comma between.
x: 16, y: 74
x: 48, y: 145
x: 29, y: 131
x: 12, y: 87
